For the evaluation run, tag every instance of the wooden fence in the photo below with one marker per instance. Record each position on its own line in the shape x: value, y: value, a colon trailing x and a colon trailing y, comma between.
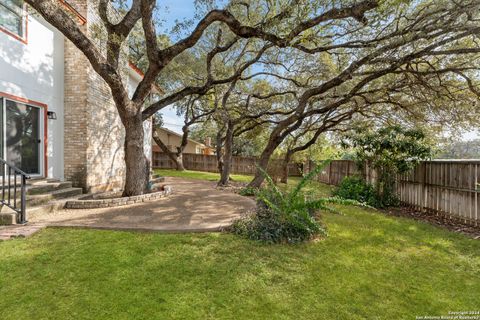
x: 335, y: 171
x: 208, y: 163
x: 450, y: 188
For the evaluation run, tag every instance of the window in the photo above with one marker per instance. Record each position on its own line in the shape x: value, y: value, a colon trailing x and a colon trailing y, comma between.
x: 12, y: 17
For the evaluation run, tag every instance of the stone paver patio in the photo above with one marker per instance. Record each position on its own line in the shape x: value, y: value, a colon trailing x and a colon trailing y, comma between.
x: 194, y: 205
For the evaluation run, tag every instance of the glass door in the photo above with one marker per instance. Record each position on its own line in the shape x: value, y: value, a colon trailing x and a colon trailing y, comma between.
x: 2, y: 130
x: 22, y: 138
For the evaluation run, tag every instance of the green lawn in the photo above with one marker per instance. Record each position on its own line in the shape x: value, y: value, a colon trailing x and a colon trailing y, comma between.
x: 370, y: 267
x: 211, y: 176
x: 319, y: 189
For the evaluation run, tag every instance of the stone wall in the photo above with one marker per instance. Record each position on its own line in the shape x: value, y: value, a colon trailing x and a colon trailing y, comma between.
x: 94, y: 134
x: 105, y: 136
x: 75, y: 112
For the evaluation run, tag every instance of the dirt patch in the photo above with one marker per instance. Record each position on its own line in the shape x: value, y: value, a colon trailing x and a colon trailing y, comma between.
x: 454, y: 225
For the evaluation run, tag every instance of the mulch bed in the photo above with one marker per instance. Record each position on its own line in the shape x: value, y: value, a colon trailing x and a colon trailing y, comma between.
x: 438, y: 220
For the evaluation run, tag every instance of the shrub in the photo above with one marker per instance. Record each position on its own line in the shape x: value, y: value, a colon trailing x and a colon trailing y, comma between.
x: 248, y: 191
x: 390, y: 150
x: 356, y: 188
x: 283, y: 216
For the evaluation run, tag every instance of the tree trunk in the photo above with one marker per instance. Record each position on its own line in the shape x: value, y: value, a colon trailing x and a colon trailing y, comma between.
x: 257, y: 181
x: 227, y: 156
x: 179, y: 161
x: 176, y: 158
x: 136, y: 163
x: 181, y: 148
x: 285, y: 163
x: 218, y: 150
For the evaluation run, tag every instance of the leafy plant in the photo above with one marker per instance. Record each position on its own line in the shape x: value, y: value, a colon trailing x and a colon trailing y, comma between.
x: 390, y: 150
x: 356, y: 188
x: 287, y: 216
x: 248, y: 191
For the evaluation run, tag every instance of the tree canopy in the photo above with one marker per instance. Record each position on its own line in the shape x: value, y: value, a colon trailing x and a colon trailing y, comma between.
x: 282, y: 64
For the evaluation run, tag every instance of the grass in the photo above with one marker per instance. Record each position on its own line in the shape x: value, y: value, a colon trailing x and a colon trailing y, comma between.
x: 200, y: 175
x: 319, y: 189
x: 371, y: 266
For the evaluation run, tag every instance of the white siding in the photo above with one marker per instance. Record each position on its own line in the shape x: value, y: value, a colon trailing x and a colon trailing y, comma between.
x: 35, y: 71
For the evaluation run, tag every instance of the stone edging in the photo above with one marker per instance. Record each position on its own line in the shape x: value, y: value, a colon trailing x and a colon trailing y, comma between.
x: 117, y: 202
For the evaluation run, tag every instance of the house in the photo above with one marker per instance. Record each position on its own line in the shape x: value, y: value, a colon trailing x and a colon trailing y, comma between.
x: 172, y: 140
x: 57, y: 118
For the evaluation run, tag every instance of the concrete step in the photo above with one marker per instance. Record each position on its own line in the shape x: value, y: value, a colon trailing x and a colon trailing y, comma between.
x: 30, y: 181
x: 156, y: 180
x: 43, y: 198
x: 36, y: 213
x: 39, y: 188
x: 47, y: 187
x: 7, y: 216
x: 36, y: 181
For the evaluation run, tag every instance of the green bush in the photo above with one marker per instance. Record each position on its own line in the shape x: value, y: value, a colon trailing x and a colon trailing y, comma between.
x: 356, y: 188
x: 390, y: 150
x: 247, y: 191
x: 286, y: 217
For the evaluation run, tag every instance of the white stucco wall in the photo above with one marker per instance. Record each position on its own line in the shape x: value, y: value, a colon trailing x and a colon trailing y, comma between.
x: 35, y: 71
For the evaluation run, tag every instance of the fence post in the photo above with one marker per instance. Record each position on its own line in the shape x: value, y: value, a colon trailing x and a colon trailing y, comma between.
x: 476, y: 193
x: 424, y: 186
x: 330, y: 173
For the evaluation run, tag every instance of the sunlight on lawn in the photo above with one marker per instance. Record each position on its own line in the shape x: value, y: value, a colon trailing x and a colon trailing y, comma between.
x: 210, y: 176
x: 371, y: 266
x: 315, y: 188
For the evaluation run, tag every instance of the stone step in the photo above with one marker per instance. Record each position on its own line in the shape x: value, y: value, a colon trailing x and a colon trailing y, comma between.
x: 39, y: 199
x: 39, y: 188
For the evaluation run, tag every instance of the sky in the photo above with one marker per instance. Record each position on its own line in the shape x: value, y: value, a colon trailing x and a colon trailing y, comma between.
x: 171, y: 11
x: 181, y: 10
x: 471, y: 134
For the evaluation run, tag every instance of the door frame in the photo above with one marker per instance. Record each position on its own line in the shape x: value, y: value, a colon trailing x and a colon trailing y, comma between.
x: 43, y: 159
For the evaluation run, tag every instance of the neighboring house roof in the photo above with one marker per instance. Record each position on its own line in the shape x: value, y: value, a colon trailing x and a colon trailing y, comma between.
x: 180, y: 136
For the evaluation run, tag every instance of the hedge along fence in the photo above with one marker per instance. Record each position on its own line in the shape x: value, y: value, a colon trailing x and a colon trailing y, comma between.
x: 208, y: 163
x: 446, y: 187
